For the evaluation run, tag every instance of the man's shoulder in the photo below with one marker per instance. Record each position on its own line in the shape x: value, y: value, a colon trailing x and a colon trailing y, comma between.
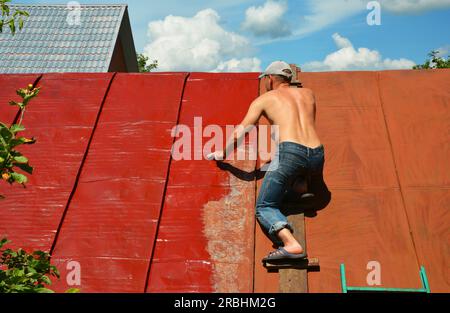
x: 307, y: 94
x: 265, y: 97
x: 306, y: 91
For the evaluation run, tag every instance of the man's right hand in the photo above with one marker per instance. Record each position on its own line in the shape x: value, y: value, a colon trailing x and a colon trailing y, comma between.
x: 218, y: 156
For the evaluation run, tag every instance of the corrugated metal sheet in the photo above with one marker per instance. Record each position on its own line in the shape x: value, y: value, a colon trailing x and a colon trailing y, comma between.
x: 110, y: 226
x: 61, y: 118
x: 205, y: 237
x: 138, y: 221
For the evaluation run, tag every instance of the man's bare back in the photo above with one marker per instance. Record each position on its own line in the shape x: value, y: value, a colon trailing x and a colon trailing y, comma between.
x: 294, y: 111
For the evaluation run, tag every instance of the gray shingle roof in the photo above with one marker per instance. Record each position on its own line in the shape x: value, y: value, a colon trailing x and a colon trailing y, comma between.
x: 49, y: 42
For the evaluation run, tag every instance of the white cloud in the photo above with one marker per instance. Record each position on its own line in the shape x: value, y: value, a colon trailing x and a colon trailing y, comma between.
x: 235, y: 65
x: 348, y: 58
x: 267, y: 20
x: 322, y: 14
x: 443, y: 52
x: 325, y: 13
x: 413, y: 6
x: 198, y: 43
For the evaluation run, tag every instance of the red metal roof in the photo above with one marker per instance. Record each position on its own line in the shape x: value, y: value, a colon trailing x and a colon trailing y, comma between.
x: 106, y: 192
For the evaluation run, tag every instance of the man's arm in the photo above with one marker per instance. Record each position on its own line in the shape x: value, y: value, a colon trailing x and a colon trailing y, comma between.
x: 254, y: 113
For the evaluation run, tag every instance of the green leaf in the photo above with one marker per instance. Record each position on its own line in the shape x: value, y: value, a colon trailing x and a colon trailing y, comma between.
x: 6, y: 134
x: 46, y: 280
x: 21, y: 92
x: 16, y: 142
x: 25, y: 167
x: 22, y: 140
x: 16, y: 128
x: 73, y: 290
x: 30, y: 95
x: 21, y: 159
x: 19, y: 178
x: 55, y: 271
x: 43, y: 290
x: 19, y: 104
x: 3, y: 242
x: 40, y: 253
x: 20, y: 23
x: 12, y: 26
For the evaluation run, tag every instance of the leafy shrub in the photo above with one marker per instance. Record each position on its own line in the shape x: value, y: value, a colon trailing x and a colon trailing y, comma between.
x: 10, y: 158
x: 21, y: 272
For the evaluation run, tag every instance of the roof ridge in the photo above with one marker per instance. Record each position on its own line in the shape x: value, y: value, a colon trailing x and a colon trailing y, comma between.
x: 65, y: 5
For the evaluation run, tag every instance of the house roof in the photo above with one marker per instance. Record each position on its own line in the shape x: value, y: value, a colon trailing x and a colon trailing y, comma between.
x: 53, y: 40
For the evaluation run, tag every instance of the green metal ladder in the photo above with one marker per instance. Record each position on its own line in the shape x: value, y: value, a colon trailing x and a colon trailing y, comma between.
x: 423, y: 277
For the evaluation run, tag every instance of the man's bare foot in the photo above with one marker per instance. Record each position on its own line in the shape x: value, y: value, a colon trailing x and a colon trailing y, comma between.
x: 297, y: 249
x: 291, y: 245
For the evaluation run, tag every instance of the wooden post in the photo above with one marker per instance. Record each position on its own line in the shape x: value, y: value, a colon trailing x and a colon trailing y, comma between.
x: 295, y: 82
x: 292, y: 279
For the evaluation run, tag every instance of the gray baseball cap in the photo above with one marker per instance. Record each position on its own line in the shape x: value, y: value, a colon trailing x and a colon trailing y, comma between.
x: 278, y: 68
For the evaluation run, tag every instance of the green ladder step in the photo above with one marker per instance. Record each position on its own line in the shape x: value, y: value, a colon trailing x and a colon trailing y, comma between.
x: 423, y: 277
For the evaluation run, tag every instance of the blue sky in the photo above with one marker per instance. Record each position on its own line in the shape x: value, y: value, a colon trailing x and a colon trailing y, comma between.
x: 246, y: 35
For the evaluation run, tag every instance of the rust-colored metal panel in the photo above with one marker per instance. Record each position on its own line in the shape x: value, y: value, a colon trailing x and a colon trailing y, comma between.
x: 429, y: 214
x: 111, y: 222
x: 416, y: 105
x: 366, y: 219
x: 360, y: 226
x: 9, y: 83
x: 61, y: 118
x: 343, y: 89
x: 205, y: 237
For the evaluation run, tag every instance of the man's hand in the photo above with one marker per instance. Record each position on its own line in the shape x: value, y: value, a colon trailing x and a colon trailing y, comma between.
x: 218, y: 156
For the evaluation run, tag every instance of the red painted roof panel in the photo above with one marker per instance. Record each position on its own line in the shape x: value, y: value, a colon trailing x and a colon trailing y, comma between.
x: 205, y: 236
x: 131, y: 147
x: 61, y: 118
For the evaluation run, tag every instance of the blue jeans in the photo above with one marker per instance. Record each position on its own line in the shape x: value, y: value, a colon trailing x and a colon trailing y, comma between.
x: 291, y: 160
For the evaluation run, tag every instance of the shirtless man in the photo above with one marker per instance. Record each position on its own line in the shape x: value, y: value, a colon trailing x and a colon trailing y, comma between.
x: 293, y: 110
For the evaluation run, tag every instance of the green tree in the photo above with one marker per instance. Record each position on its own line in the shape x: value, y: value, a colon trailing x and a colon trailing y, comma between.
x: 11, y: 20
x: 142, y: 64
x: 434, y: 62
x: 10, y: 158
x: 21, y: 272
